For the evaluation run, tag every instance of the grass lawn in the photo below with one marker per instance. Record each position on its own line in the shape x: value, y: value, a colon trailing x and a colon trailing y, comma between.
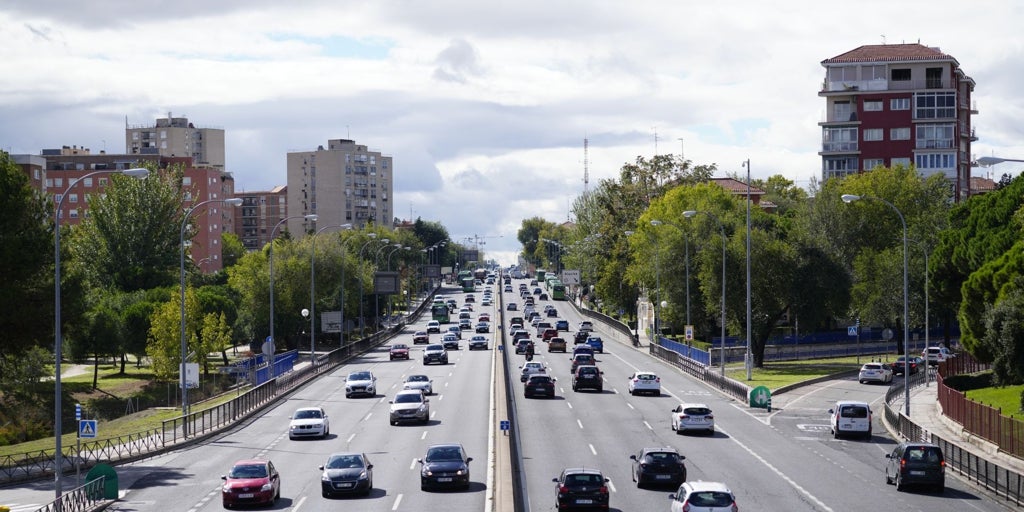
x: 1007, y: 399
x: 782, y: 373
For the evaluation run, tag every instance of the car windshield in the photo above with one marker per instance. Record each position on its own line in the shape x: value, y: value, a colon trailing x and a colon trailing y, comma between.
x: 583, y: 479
x: 709, y: 499
x: 540, y: 378
x: 923, y: 454
x: 359, y: 376
x: 443, y: 453
x: 307, y: 414
x: 248, y: 471
x: 434, y: 348
x: 646, y: 376
x: 399, y: 347
x: 344, y: 462
x: 408, y: 398
x: 588, y: 371
x: 417, y: 378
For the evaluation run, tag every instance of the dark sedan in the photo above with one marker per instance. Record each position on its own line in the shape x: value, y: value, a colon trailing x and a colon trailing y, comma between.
x: 658, y: 466
x: 346, y: 473
x: 539, y: 385
x: 579, y: 488
x: 916, y: 363
x: 445, y: 465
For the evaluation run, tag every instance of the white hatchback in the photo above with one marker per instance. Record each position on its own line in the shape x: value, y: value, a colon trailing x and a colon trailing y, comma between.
x: 644, y: 382
x: 875, y: 372
x: 701, y: 496
x: 692, y: 417
x: 309, y: 422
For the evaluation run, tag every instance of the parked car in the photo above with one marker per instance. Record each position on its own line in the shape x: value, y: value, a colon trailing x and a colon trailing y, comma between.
x: 539, y: 384
x: 701, y: 496
x: 658, y: 466
x: 913, y: 463
x: 644, y: 382
x: 409, y: 405
x: 587, y: 377
x: 421, y: 337
x: 444, y: 465
x: 419, y: 382
x: 850, y: 417
x: 692, y: 417
x: 346, y: 473
x: 875, y: 372
x: 398, y: 351
x: 360, y: 383
x: 556, y: 344
x: 251, y: 482
x: 309, y: 422
x: 581, y: 488
x: 435, y: 354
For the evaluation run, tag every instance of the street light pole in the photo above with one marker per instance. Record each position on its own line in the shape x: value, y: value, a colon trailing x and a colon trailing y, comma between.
x: 748, y: 362
x: 58, y: 340
x: 373, y: 236
x: 848, y: 198
x: 657, y: 280
x: 312, y: 289
x: 691, y: 213
x: 273, y: 233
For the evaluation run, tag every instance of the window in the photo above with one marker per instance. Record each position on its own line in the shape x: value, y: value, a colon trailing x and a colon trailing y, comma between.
x: 873, y: 134
x: 934, y: 105
x: 87, y: 182
x: 905, y: 162
x: 163, y: 134
x: 103, y: 182
x: 899, y: 104
x: 873, y: 106
x: 842, y: 74
x: 842, y: 111
x: 899, y: 133
x: 900, y: 75
x: 876, y: 72
x: 935, y: 136
x: 73, y: 213
x: 135, y: 135
x: 936, y: 161
x: 839, y: 139
x: 933, y: 78
x: 49, y: 182
x: 73, y: 198
x: 186, y: 181
x: 871, y: 163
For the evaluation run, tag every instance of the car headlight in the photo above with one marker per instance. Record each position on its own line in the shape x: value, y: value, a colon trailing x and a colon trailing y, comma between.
x: 426, y: 472
x: 462, y: 471
x: 267, y: 487
x: 292, y: 427
x: 226, y: 488
x: 363, y: 475
x: 324, y: 477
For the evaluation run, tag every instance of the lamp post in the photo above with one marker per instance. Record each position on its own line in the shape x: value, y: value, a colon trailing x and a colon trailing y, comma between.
x: 376, y: 296
x: 748, y: 362
x: 312, y: 289
x: 721, y: 227
x: 397, y: 247
x: 657, y: 279
x: 273, y: 233
x: 184, y: 340
x: 58, y: 340
x: 927, y: 341
x: 373, y: 236
x: 849, y: 198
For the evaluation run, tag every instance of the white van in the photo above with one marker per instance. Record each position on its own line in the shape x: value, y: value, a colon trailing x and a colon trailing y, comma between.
x: 936, y: 355
x: 850, y: 417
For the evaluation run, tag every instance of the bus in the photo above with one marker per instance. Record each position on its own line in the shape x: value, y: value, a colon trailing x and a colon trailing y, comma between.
x: 439, y: 312
x: 468, y: 284
x: 540, y: 275
x: 557, y: 290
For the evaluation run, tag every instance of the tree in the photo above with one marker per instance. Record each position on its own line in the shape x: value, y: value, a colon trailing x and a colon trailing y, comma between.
x: 1004, y: 336
x: 164, y: 344
x: 231, y: 249
x: 216, y: 337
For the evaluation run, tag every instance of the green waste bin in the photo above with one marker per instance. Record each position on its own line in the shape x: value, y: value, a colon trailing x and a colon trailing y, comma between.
x: 109, y: 480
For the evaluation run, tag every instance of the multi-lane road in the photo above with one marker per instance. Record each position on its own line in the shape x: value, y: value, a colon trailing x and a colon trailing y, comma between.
x: 783, y: 460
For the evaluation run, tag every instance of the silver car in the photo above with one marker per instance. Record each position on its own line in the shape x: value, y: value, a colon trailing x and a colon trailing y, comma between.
x: 410, y: 405
x: 360, y: 383
x: 419, y: 382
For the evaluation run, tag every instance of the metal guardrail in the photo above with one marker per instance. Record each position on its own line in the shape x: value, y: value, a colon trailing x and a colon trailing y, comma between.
x: 705, y: 373
x: 80, y: 499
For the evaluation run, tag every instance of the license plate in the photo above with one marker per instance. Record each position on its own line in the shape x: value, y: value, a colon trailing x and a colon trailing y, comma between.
x: 346, y: 484
x: 584, y: 502
x: 444, y: 479
x: 917, y: 473
x: 662, y: 477
x: 246, y: 495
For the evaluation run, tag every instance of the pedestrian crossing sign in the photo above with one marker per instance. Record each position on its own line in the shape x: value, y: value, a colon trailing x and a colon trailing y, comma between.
x: 87, y: 428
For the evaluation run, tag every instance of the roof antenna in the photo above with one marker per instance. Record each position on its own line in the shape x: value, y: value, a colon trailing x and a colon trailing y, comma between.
x: 883, y: 39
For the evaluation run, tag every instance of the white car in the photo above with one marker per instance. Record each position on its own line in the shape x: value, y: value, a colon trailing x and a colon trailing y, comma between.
x: 692, y: 417
x: 936, y: 355
x: 701, y: 496
x: 850, y: 417
x: 419, y: 382
x: 531, y: 368
x: 360, y: 383
x: 409, y: 405
x: 644, y: 382
x: 309, y: 422
x: 875, y: 372
x: 433, y: 326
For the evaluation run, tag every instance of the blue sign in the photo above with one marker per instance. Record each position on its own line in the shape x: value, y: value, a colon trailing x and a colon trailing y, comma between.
x: 851, y: 330
x: 505, y: 425
x: 87, y: 428
x: 78, y: 412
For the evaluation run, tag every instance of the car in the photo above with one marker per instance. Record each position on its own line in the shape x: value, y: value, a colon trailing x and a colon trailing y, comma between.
x: 346, y: 473
x: 398, y: 351
x: 465, y: 315
x: 309, y: 422
x: 899, y: 366
x: 692, y: 417
x: 360, y: 383
x: 539, y: 384
x: 409, y: 405
x: 528, y: 300
x: 465, y: 324
x: 508, y: 288
x: 534, y: 322
x: 487, y: 302
x: 583, y: 349
x: 433, y: 326
x: 540, y: 326
x: 556, y: 344
x: 658, y: 466
x: 875, y: 372
x: 586, y: 325
x: 912, y: 463
x: 562, y: 325
x: 511, y: 306
x: 533, y: 282
x: 519, y: 334
x: 483, y: 327
x: 644, y: 382
x: 456, y: 330
x: 468, y: 308
x: 435, y: 354
x: 251, y: 482
x: 587, y: 376
x: 478, y: 342
x: 444, y: 465
x: 936, y: 355
x: 597, y: 343
x: 549, y: 333
x: 551, y: 312
x: 420, y: 337
x: 450, y: 341
x: 580, y: 337
x: 581, y: 488
x: 537, y: 291
x: 581, y: 360
x: 531, y: 368
x: 469, y: 298
x: 419, y: 382
x: 702, y: 496
x: 516, y: 320
x: 850, y: 417
x: 522, y: 344
x: 484, y: 317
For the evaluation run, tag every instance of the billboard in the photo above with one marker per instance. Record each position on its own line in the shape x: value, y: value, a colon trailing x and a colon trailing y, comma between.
x: 330, y: 321
x: 432, y: 271
x: 386, y: 283
x: 571, y: 277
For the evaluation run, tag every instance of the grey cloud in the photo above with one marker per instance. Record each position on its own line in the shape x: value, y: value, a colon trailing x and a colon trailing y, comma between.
x: 457, y: 62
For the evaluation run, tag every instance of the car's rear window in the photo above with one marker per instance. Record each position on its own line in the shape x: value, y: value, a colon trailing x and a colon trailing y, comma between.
x: 646, y: 376
x: 710, y: 499
x: 923, y: 454
x: 584, y: 479
x: 697, y: 411
x: 853, y: 411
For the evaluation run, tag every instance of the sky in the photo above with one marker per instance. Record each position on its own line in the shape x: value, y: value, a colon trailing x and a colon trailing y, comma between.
x: 484, y: 106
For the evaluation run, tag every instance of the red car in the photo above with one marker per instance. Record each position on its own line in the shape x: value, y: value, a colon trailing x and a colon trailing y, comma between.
x: 420, y: 337
x: 484, y: 317
x: 253, y: 481
x: 399, y: 351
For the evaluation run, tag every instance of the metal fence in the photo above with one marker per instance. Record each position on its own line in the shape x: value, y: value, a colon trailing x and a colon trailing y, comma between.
x: 705, y: 373
x: 80, y: 499
x: 977, y: 418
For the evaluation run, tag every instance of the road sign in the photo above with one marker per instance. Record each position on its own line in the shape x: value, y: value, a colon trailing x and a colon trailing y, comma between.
x: 761, y: 397
x: 851, y: 330
x: 505, y: 425
x: 87, y: 428
x: 78, y: 412
x: 688, y: 333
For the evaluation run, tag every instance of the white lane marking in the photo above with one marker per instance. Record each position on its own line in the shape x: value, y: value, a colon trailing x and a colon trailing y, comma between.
x: 580, y: 423
x: 801, y: 397
x: 611, y: 486
x: 433, y: 414
x: 440, y: 397
x: 648, y: 425
x: 350, y: 438
x: 299, y: 505
x: 413, y: 465
x: 569, y: 404
x: 630, y: 405
x: 382, y: 400
x: 424, y: 436
x: 398, y: 501
x: 491, y: 442
x: 592, y: 450
x: 367, y: 417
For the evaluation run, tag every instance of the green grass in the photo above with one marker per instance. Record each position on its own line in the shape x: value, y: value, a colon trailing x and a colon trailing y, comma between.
x: 1007, y: 398
x: 778, y: 374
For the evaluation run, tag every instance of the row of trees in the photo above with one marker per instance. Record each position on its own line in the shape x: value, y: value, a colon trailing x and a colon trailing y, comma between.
x: 813, y: 259
x: 120, y: 281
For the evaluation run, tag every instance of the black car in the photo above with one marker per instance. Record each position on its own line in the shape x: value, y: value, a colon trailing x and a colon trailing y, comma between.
x: 658, y: 466
x: 553, y: 312
x: 445, y: 465
x: 916, y: 463
x: 346, y: 473
x: 539, y: 384
x: 898, y: 366
x: 579, y: 488
x: 580, y: 337
x: 543, y: 296
x: 587, y: 377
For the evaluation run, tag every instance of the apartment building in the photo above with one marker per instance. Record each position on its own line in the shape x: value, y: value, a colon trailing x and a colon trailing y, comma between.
x: 343, y: 183
x: 259, y: 213
x: 894, y: 104
x: 177, y: 137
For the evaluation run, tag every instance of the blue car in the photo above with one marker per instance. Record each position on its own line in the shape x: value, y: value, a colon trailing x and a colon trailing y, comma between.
x: 596, y: 343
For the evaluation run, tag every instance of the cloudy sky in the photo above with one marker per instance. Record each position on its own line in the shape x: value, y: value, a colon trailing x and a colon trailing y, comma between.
x: 483, y: 105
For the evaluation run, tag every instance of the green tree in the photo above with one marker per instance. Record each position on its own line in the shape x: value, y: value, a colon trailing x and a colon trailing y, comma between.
x: 231, y: 249
x: 1004, y: 336
x: 164, y: 344
x: 216, y: 337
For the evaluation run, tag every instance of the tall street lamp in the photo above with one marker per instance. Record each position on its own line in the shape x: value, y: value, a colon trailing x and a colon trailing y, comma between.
x: 657, y: 279
x: 721, y: 227
x: 849, y: 198
x: 273, y: 233
x: 312, y: 289
x: 58, y: 340
x: 927, y: 341
x: 236, y: 201
x: 397, y: 247
x: 748, y: 362
x: 376, y: 296
x: 373, y: 236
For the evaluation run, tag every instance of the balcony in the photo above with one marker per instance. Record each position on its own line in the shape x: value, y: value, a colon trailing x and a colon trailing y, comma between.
x: 848, y: 86
x: 840, y: 147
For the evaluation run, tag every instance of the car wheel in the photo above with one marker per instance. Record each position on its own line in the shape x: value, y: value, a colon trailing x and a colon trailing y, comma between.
x: 899, y: 482
x: 632, y: 392
x: 888, y: 481
x: 348, y: 395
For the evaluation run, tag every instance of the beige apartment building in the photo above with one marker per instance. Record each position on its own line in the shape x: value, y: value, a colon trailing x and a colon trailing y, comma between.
x: 259, y: 213
x: 177, y: 137
x: 343, y: 183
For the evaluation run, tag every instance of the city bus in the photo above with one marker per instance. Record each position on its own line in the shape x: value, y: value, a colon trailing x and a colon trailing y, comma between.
x: 540, y: 275
x: 557, y: 290
x: 439, y: 312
